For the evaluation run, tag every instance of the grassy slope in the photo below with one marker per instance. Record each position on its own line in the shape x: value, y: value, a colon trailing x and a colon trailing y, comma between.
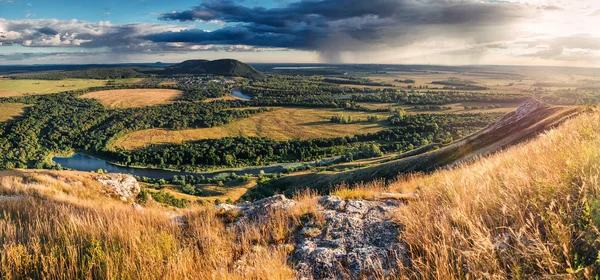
x: 11, y: 110
x: 281, y: 124
x: 530, y: 211
x: 132, y: 98
x: 21, y: 87
x: 58, y: 225
x: 492, y: 138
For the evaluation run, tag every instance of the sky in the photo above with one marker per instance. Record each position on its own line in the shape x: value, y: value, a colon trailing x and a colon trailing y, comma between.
x: 447, y: 32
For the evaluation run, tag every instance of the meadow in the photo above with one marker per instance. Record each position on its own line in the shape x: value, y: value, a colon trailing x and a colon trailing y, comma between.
x: 133, y: 98
x: 10, y: 88
x: 59, y: 225
x: 11, y: 110
x: 279, y: 124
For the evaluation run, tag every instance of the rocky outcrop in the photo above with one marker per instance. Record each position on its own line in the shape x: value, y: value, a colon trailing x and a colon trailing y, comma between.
x: 356, y: 240
x: 259, y: 208
x: 123, y: 186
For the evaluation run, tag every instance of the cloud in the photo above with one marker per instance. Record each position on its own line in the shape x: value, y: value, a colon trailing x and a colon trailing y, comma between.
x: 550, y: 8
x: 78, y: 33
x: 333, y: 26
x: 570, y: 48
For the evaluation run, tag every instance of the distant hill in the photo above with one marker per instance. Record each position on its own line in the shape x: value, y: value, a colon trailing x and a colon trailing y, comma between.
x: 93, y: 73
x: 221, y: 67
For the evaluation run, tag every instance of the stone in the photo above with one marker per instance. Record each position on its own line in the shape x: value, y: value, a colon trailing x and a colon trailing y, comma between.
x: 356, y: 240
x: 124, y: 186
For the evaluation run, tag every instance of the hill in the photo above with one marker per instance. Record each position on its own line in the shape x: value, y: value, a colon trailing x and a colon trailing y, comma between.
x: 530, y: 119
x: 221, y: 67
x: 530, y: 211
x: 100, y: 73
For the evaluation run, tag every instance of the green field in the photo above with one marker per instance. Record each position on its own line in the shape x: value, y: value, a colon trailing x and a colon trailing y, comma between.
x: 11, y: 110
x: 22, y: 87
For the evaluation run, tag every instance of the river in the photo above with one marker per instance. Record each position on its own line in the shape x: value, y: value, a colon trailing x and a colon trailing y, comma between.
x: 82, y: 162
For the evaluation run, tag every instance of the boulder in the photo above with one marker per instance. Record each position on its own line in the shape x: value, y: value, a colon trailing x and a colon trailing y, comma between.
x: 124, y: 186
x: 357, y: 239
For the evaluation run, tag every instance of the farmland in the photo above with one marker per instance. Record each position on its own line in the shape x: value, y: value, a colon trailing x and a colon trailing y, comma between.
x: 10, y: 88
x: 11, y: 110
x: 132, y: 98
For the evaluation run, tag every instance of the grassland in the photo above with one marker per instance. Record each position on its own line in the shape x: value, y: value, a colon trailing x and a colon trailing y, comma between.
x: 226, y: 97
x: 59, y: 225
x: 22, y: 87
x: 11, y: 110
x: 497, y: 81
x: 531, y: 211
x: 280, y: 124
x: 132, y: 98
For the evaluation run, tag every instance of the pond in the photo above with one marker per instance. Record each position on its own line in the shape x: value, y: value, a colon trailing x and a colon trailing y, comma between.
x: 237, y: 93
x: 82, y: 162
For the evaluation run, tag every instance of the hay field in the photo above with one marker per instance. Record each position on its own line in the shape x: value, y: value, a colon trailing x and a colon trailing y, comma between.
x: 10, y: 88
x: 132, y: 98
x: 280, y: 124
x: 11, y: 110
x: 224, y: 98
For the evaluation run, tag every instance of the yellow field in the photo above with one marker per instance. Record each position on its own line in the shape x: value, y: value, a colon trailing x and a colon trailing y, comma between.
x: 22, y: 87
x: 280, y: 124
x: 131, y: 98
x: 226, y: 97
x: 11, y: 110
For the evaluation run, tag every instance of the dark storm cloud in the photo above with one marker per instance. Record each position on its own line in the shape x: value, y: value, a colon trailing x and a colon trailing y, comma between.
x: 47, y: 31
x: 340, y: 25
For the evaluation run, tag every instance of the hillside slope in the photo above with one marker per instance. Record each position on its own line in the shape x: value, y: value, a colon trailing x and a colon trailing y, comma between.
x: 530, y: 211
x: 530, y: 119
x: 221, y: 67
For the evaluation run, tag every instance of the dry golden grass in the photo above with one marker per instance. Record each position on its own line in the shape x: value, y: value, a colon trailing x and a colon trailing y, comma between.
x: 132, y: 98
x: 22, y: 87
x: 58, y: 225
x: 226, y: 97
x: 11, y: 110
x: 280, y: 124
x: 532, y: 211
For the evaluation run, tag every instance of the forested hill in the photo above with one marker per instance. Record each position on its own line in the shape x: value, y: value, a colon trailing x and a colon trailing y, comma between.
x: 221, y: 67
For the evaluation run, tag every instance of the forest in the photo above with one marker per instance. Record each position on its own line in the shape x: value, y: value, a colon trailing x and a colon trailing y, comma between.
x: 63, y: 123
